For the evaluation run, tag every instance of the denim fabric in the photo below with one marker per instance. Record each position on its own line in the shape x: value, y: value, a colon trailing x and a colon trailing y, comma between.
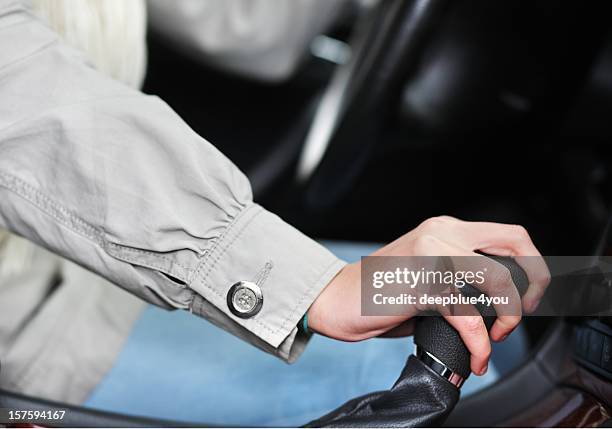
x: 176, y: 366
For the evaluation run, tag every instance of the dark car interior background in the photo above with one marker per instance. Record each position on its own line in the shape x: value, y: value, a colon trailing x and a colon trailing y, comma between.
x: 503, y: 115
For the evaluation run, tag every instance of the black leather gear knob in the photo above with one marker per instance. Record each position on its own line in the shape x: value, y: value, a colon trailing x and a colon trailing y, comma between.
x: 433, y: 334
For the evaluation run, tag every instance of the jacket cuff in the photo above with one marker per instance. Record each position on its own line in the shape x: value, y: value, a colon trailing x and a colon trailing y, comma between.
x: 289, y: 350
x: 290, y: 268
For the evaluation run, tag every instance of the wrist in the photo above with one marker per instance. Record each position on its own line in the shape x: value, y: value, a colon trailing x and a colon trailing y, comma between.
x: 303, y: 325
x: 331, y: 312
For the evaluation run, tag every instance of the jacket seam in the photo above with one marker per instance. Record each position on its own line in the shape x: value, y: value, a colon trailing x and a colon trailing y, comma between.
x: 77, y: 225
x: 51, y: 208
x: 224, y: 249
x: 122, y: 253
x: 219, y: 240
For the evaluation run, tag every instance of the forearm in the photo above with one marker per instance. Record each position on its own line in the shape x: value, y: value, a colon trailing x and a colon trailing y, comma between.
x: 115, y: 181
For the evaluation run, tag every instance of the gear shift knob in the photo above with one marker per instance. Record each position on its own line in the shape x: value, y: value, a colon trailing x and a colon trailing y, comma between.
x: 439, y: 345
x: 420, y: 397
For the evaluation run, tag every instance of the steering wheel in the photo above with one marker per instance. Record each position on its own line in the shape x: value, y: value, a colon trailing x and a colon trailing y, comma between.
x: 428, y: 387
x: 386, y: 48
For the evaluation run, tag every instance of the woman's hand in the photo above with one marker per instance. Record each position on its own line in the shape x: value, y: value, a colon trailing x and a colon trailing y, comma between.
x: 336, y: 313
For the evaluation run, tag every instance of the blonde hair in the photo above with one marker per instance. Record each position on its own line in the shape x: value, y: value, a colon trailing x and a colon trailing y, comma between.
x: 113, y: 35
x: 111, y: 32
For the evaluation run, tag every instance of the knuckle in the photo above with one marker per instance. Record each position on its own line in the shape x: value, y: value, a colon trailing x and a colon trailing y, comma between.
x: 515, y: 319
x: 435, y: 223
x: 511, y: 321
x: 544, y: 279
x: 510, y: 313
x: 425, y: 243
x: 521, y: 232
x: 473, y: 324
x: 500, y: 281
x: 442, y: 309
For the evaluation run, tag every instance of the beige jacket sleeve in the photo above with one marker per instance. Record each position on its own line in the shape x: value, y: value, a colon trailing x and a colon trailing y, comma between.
x: 115, y: 181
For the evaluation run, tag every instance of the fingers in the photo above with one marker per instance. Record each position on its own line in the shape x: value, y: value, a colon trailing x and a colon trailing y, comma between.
x: 446, y: 236
x: 537, y: 272
x: 470, y: 325
x: 505, y: 240
x: 487, y: 235
x: 497, y: 282
x: 539, y: 278
x: 503, y: 327
x: 474, y: 334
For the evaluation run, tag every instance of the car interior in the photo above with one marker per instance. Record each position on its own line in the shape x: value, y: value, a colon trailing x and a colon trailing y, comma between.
x: 408, y: 109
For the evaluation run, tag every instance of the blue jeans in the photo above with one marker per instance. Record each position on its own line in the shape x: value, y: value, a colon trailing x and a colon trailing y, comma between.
x: 179, y: 367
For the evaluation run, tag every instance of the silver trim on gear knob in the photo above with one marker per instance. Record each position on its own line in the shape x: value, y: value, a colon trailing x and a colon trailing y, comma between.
x: 437, y: 366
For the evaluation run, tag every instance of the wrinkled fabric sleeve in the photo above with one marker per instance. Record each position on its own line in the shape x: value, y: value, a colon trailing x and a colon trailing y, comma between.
x: 115, y: 181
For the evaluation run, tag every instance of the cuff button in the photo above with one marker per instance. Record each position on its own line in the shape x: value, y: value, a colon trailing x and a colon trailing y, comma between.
x: 244, y: 299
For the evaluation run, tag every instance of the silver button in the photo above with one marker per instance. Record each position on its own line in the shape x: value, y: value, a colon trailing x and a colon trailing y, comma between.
x: 245, y: 299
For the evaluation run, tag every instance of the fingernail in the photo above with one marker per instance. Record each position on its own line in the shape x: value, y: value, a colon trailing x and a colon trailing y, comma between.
x: 484, y: 370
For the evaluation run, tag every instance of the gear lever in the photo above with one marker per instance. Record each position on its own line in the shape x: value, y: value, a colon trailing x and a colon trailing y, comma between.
x: 428, y: 388
x: 439, y: 345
